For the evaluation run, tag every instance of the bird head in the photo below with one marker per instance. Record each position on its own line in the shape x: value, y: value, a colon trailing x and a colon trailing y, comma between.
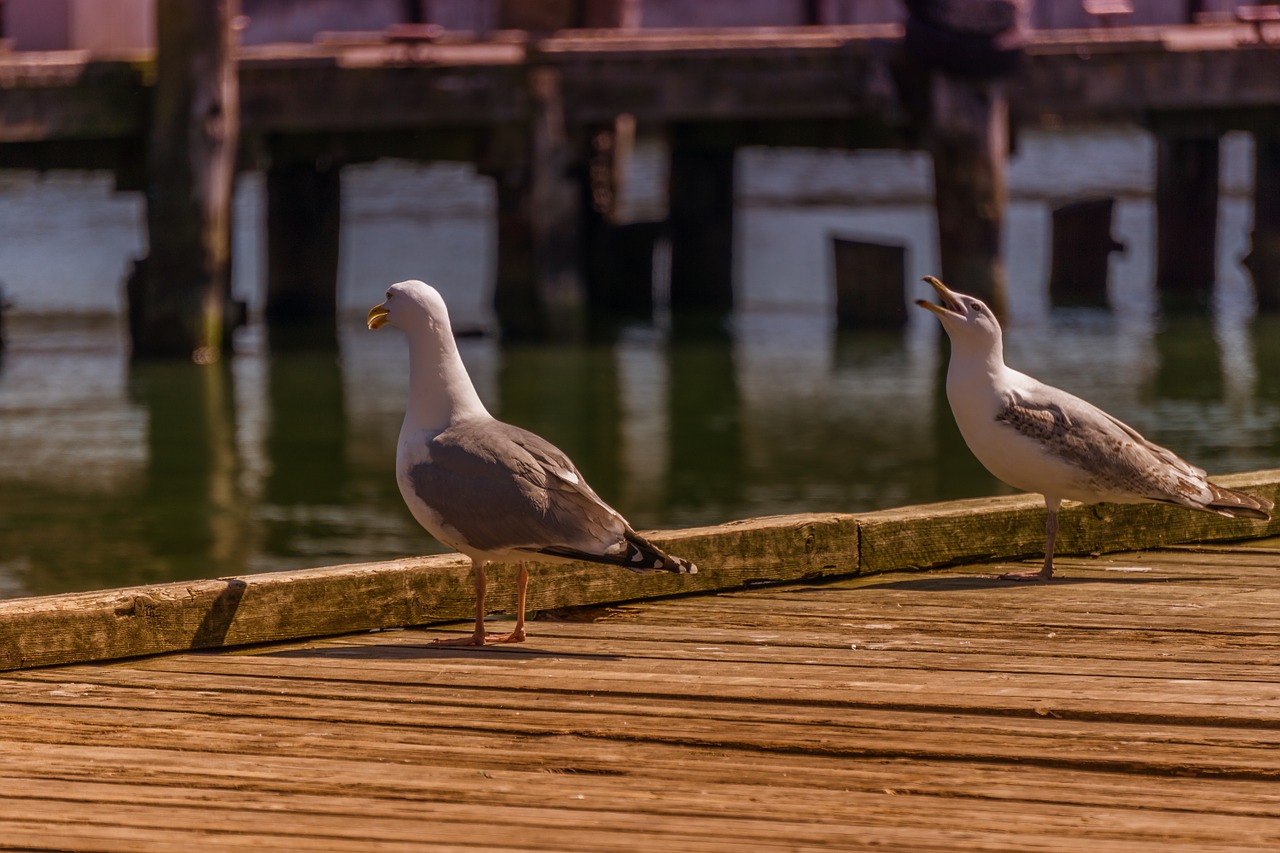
x: 411, y: 305
x: 967, y: 319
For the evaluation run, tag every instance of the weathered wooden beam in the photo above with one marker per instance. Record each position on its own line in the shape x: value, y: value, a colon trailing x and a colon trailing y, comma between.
x: 177, y: 295
x: 1186, y: 221
x: 342, y: 599
x: 66, y: 95
x: 1125, y: 75
x: 377, y: 88
x: 697, y: 75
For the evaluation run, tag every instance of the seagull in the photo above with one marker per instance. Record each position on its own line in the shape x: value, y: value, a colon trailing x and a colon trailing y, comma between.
x: 490, y: 490
x: 1042, y: 439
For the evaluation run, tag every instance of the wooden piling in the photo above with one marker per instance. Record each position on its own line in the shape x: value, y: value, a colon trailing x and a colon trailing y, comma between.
x: 1081, y: 249
x: 618, y: 257
x: 870, y: 284
x: 178, y: 292
x: 541, y: 291
x: 970, y: 142
x: 304, y: 201
x: 1186, y: 221
x: 621, y: 270
x: 700, y: 218
x: 1263, y: 260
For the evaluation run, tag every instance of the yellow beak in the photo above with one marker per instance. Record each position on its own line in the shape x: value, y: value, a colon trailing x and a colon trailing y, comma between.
x: 378, y: 316
x: 948, y: 297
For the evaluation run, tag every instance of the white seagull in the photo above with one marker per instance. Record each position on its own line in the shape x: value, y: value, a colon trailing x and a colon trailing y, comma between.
x: 493, y: 491
x: 1041, y: 439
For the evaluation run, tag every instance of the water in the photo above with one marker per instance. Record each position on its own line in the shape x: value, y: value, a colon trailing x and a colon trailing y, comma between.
x: 113, y: 474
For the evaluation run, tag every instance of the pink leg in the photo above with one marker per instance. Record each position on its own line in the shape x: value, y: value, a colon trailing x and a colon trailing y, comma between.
x: 522, y: 586
x: 478, y: 636
x: 1051, y: 534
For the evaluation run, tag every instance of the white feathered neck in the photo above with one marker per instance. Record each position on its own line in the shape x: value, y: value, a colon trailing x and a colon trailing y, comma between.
x: 440, y: 390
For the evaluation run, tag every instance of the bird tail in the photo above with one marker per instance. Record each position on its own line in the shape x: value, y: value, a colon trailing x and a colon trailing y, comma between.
x: 643, y: 555
x: 1234, y: 504
x: 640, y: 555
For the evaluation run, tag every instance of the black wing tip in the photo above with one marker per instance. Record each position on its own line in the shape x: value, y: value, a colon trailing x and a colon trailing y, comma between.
x: 640, y: 557
x: 641, y: 551
x: 683, y: 566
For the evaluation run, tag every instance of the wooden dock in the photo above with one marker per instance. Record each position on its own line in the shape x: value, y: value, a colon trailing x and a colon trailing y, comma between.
x: 1133, y: 704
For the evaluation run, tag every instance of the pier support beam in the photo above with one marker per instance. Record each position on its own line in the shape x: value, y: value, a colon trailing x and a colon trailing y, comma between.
x: 1263, y: 260
x: 970, y: 142
x: 304, y: 201
x: 540, y: 290
x: 700, y: 218
x: 870, y: 284
x: 619, y: 257
x: 1081, y: 252
x: 1186, y: 221
x: 177, y: 294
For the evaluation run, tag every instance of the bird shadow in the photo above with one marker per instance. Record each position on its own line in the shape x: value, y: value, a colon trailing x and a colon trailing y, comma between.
x: 425, y: 650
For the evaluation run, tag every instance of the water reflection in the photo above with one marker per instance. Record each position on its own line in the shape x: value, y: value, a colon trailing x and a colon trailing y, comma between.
x: 112, y: 474
x: 705, y: 442
x: 1187, y: 357
x: 191, y: 511
x: 306, y: 446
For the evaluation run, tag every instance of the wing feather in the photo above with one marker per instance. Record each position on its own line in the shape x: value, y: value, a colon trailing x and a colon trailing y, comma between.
x: 502, y: 488
x: 1114, y: 459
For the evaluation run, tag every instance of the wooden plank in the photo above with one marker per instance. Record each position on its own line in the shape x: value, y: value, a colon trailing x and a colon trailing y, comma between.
x: 653, y: 778
x: 455, y: 820
x: 348, y: 775
x: 409, y: 732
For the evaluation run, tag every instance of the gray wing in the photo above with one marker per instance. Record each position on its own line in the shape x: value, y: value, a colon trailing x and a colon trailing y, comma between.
x: 1112, y: 456
x: 502, y: 487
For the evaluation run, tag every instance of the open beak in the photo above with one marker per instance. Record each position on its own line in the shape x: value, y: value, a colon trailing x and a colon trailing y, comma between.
x: 950, y: 304
x: 378, y: 316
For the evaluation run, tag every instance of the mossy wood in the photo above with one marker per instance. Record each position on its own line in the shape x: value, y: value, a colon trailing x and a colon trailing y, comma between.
x: 343, y: 599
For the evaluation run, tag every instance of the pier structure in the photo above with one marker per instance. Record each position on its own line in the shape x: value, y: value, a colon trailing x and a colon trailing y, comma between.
x: 550, y: 117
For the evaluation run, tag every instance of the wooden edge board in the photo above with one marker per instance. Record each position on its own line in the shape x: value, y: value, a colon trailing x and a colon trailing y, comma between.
x: 185, y: 615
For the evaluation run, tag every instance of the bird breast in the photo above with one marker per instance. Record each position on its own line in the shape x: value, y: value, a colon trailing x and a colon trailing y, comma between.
x: 1010, y: 455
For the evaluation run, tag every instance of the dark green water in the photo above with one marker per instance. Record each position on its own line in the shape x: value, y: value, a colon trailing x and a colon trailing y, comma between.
x: 113, y: 474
